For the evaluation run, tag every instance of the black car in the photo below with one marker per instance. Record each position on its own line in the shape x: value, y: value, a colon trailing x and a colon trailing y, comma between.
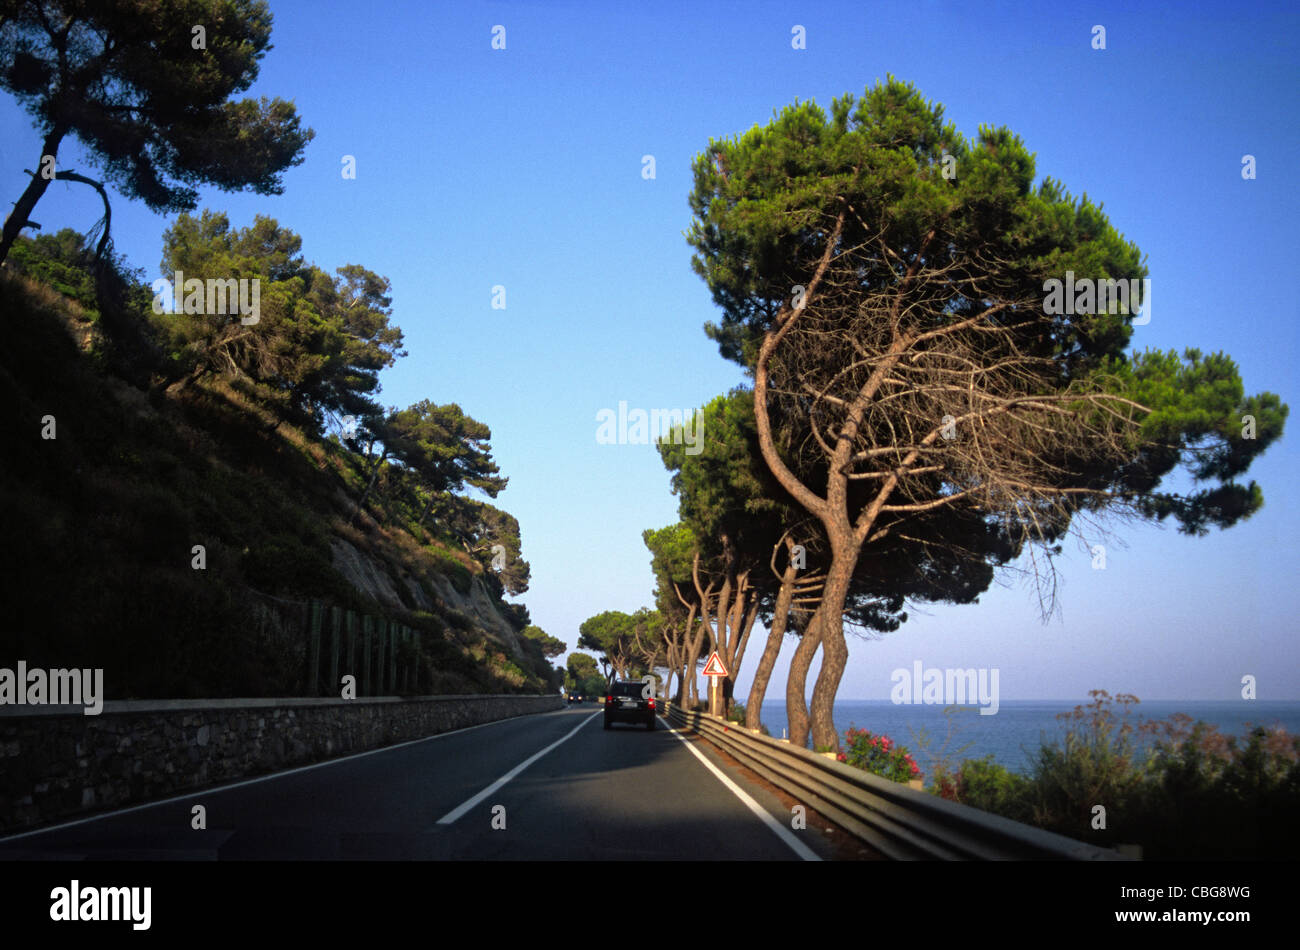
x: 624, y: 703
x: 574, y: 699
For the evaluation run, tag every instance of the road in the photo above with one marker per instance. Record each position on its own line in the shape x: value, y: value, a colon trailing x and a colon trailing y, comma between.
x: 554, y: 786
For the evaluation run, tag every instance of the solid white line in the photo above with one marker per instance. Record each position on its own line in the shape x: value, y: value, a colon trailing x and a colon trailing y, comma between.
x: 459, y: 810
x: 260, y: 778
x: 782, y: 832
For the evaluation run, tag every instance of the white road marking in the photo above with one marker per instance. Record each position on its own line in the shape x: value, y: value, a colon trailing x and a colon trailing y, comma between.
x: 465, y: 806
x: 782, y: 832
x: 261, y: 778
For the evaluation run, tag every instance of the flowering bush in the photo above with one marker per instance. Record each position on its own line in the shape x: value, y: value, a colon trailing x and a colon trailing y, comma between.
x: 878, y: 755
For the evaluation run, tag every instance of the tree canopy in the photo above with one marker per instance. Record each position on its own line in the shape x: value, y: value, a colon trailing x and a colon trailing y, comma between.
x: 885, y: 282
x: 318, y: 343
x: 146, y: 87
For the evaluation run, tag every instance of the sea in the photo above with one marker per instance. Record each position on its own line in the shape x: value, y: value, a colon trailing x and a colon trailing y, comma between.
x: 1020, y: 727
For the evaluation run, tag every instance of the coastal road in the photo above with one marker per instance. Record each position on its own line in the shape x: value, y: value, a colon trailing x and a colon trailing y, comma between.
x: 553, y: 786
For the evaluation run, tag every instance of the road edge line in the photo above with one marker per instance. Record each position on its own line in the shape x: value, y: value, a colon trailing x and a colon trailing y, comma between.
x: 785, y: 834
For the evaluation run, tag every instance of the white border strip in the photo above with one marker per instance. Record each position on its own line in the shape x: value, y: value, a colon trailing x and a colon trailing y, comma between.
x: 782, y: 832
x: 465, y: 806
x: 261, y: 778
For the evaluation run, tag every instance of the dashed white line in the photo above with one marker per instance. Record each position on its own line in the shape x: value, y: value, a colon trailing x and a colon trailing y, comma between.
x: 465, y: 806
x: 261, y: 778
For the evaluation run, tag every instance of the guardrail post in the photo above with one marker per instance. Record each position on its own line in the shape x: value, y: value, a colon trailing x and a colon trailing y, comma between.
x: 351, y: 665
x: 392, y: 656
x: 415, y: 667
x: 336, y: 619
x: 366, y: 624
x: 313, y: 651
x: 406, y: 660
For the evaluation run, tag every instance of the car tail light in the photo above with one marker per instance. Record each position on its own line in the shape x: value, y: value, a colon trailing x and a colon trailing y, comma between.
x: 609, y: 700
x: 652, y: 702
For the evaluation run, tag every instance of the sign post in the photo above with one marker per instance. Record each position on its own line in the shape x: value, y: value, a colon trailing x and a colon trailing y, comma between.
x: 715, y: 671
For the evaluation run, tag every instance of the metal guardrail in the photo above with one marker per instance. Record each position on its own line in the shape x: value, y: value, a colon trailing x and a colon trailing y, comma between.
x: 900, y: 822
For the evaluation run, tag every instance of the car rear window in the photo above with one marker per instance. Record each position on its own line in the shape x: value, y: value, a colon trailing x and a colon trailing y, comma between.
x: 627, y: 689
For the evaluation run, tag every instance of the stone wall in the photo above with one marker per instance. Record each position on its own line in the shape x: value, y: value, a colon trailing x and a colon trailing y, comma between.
x: 57, y: 763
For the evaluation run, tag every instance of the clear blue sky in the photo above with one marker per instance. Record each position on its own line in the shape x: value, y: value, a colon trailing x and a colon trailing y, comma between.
x: 479, y: 167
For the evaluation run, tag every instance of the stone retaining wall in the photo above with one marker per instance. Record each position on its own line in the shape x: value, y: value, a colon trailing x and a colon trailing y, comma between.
x: 58, y: 763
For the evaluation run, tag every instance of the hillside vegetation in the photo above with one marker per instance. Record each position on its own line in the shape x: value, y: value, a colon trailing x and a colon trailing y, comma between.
x: 127, y: 445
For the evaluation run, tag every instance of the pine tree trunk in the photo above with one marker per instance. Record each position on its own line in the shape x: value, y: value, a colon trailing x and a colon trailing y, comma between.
x: 26, y: 203
x: 796, y: 685
x: 692, y: 659
x: 766, y: 663
x: 829, y: 621
x: 750, y: 617
x: 374, y: 475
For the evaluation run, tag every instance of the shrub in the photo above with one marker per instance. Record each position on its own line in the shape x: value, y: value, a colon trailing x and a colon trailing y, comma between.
x: 1211, y: 796
x: 1098, y: 760
x: 459, y: 621
x: 983, y: 783
x: 878, y: 755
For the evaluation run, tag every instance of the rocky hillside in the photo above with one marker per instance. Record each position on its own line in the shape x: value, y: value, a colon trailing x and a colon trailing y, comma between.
x: 154, y: 530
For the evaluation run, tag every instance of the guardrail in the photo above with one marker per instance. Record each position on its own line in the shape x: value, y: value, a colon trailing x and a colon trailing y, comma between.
x: 900, y: 822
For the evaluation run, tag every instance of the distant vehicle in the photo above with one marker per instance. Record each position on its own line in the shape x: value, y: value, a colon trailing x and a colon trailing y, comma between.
x: 623, y: 703
x: 574, y: 699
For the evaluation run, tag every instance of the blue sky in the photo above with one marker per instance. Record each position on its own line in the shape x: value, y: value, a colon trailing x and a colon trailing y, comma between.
x: 522, y: 168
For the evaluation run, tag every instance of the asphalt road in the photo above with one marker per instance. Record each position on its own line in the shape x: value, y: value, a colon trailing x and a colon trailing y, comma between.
x: 571, y: 791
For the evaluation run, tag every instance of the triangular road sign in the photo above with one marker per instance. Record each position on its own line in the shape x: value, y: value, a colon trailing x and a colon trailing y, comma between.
x: 714, y: 667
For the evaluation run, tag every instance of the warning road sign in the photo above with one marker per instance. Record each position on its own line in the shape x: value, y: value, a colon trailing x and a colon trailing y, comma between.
x: 714, y: 667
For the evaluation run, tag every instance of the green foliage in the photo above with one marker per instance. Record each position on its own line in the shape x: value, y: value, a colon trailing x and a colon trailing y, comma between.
x: 581, y: 666
x: 611, y: 635
x: 319, y: 341
x: 133, y: 482
x: 460, y: 621
x: 285, y: 563
x: 516, y: 615
x: 725, y: 486
x: 549, y: 645
x: 484, y: 532
x: 1179, y: 790
x: 452, y: 569
x: 126, y: 79
x: 60, y: 261
x: 1210, y: 796
x: 447, y: 448
x: 1097, y: 760
x: 983, y: 783
x: 737, y: 715
x: 583, y: 677
x: 764, y: 203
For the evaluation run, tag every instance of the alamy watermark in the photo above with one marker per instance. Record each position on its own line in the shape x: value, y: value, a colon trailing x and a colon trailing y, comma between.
x: 214, y: 296
x: 78, y: 902
x: 643, y: 427
x: 35, y: 687
x: 936, y: 687
x: 1089, y: 296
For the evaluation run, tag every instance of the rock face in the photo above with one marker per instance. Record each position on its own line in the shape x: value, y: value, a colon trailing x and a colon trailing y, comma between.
x: 371, y: 577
